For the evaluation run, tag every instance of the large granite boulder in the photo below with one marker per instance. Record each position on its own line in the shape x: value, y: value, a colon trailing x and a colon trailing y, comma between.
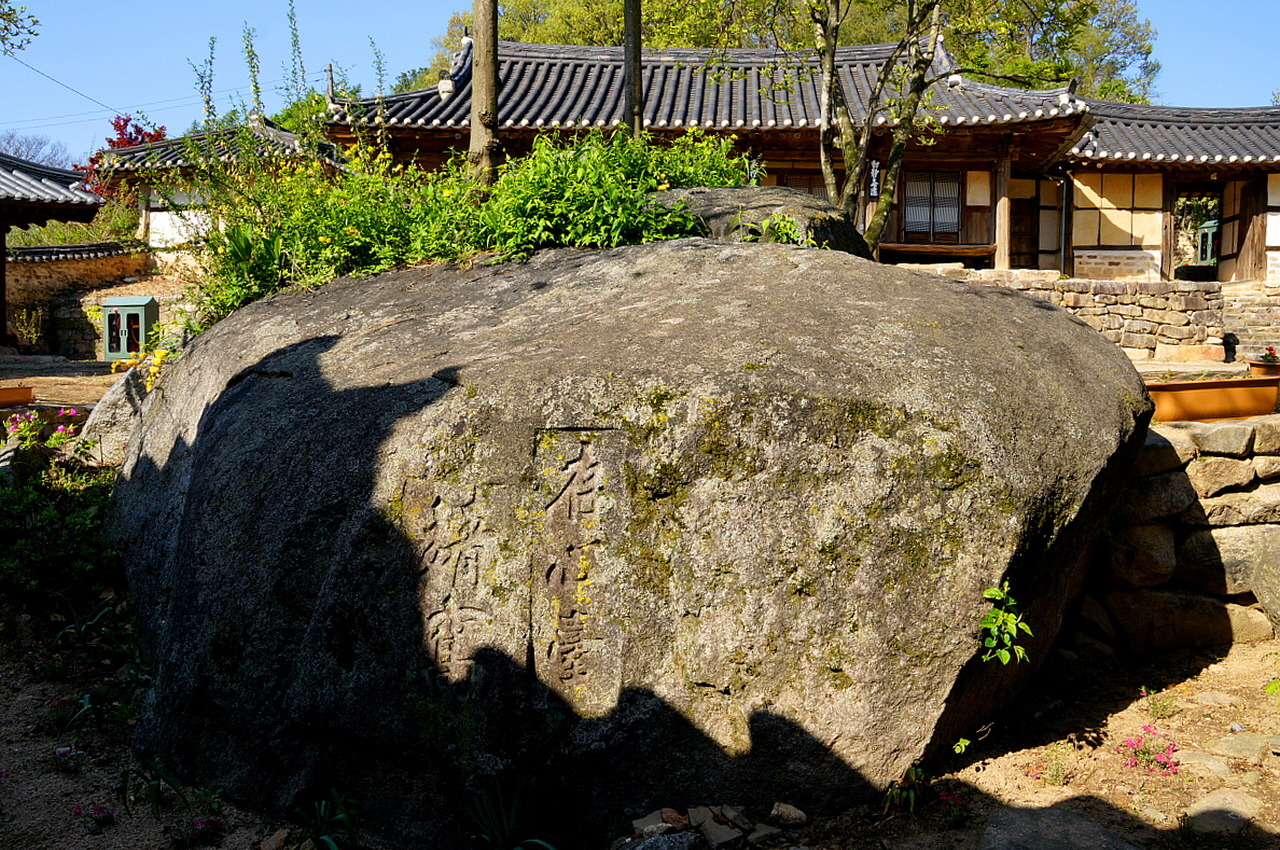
x: 688, y: 521
x: 768, y: 214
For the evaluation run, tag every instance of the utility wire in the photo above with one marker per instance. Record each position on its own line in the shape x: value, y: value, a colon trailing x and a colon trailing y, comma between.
x: 64, y: 85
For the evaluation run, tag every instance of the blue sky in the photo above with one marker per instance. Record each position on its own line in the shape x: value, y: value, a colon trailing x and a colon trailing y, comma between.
x: 133, y: 55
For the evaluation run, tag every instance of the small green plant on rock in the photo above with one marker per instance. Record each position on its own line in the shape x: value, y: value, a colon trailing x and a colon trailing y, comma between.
x: 1159, y: 706
x: 903, y: 793
x: 146, y: 782
x: 328, y: 823
x: 1001, y: 626
x: 498, y: 818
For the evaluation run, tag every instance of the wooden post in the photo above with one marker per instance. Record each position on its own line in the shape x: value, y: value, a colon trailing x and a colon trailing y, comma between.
x: 632, y: 82
x: 485, y: 150
x: 1169, y: 225
x: 4, y: 306
x: 1004, y: 206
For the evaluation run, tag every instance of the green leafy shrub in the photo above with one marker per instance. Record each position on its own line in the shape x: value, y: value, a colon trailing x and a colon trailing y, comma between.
x: 301, y: 221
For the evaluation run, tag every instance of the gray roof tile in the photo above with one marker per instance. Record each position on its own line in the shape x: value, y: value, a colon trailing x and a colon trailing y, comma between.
x: 223, y: 144
x: 29, y: 182
x: 1166, y: 135
x: 545, y: 85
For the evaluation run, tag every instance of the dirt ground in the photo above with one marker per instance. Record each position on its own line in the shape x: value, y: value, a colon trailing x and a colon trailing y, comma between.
x: 1058, y: 745
x: 1055, y: 747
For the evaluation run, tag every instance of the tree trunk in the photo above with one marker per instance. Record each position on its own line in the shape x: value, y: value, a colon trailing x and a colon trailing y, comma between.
x: 826, y: 32
x: 632, y: 82
x: 485, y: 151
x: 920, y: 61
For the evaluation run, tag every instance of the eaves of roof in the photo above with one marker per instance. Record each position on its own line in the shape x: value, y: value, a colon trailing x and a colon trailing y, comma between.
x: 63, y: 253
x: 224, y: 145
x: 1176, y: 136
x: 27, y: 182
x: 557, y: 86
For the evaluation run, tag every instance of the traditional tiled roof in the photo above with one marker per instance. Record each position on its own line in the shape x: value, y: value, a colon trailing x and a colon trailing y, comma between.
x: 62, y: 253
x: 224, y: 144
x: 1174, y: 135
x: 29, y: 182
x: 546, y: 85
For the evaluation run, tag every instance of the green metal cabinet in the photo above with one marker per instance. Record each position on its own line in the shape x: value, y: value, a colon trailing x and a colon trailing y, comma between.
x: 126, y: 325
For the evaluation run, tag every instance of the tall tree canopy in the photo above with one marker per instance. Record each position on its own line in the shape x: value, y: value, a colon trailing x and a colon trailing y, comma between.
x: 1104, y: 44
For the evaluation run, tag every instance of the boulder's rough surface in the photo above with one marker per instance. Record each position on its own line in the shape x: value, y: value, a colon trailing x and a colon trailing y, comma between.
x: 749, y: 214
x: 689, y: 520
x: 113, y: 418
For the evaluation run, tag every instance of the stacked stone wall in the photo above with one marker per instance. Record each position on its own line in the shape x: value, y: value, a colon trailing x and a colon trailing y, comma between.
x: 1129, y: 264
x: 34, y: 284
x: 1252, y: 316
x: 1192, y: 556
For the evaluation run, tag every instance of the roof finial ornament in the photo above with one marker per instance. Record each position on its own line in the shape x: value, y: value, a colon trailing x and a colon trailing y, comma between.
x: 328, y: 91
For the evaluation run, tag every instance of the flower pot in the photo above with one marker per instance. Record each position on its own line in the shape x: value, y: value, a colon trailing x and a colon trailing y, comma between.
x: 1263, y: 367
x: 16, y: 396
x: 1206, y: 401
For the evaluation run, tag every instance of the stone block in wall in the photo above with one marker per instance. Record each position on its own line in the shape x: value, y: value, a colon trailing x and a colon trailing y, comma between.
x: 1098, y: 323
x: 1114, y: 322
x: 1210, y: 475
x: 1189, y: 353
x: 1092, y: 612
x: 1154, y: 287
x: 1266, y: 434
x: 1077, y: 299
x: 1259, y: 506
x: 1115, y: 336
x: 1223, y: 561
x: 1109, y: 287
x: 1135, y: 340
x: 1170, y: 335
x: 1266, y: 467
x: 1231, y: 438
x: 1147, y: 302
x: 1165, y: 449
x: 1166, y: 317
x: 1162, y: 620
x: 1143, y: 555
x: 1140, y: 326
x: 1108, y: 300
x: 1188, y: 303
x: 1131, y: 310
x: 1155, y: 497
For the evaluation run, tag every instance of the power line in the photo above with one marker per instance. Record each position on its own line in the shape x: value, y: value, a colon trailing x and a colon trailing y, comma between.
x: 64, y: 85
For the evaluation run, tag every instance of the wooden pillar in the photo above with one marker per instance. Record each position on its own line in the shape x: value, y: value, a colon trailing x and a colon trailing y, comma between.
x: 1169, y: 225
x: 4, y: 306
x: 1004, y: 207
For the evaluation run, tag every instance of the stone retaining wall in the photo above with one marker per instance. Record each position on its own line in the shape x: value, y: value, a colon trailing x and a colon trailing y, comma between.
x: 1251, y: 314
x: 33, y: 284
x: 1192, y: 555
x: 1174, y: 321
x: 1125, y: 264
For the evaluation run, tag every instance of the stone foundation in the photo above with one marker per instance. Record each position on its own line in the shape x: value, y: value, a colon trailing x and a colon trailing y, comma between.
x: 1193, y: 549
x: 1132, y: 264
